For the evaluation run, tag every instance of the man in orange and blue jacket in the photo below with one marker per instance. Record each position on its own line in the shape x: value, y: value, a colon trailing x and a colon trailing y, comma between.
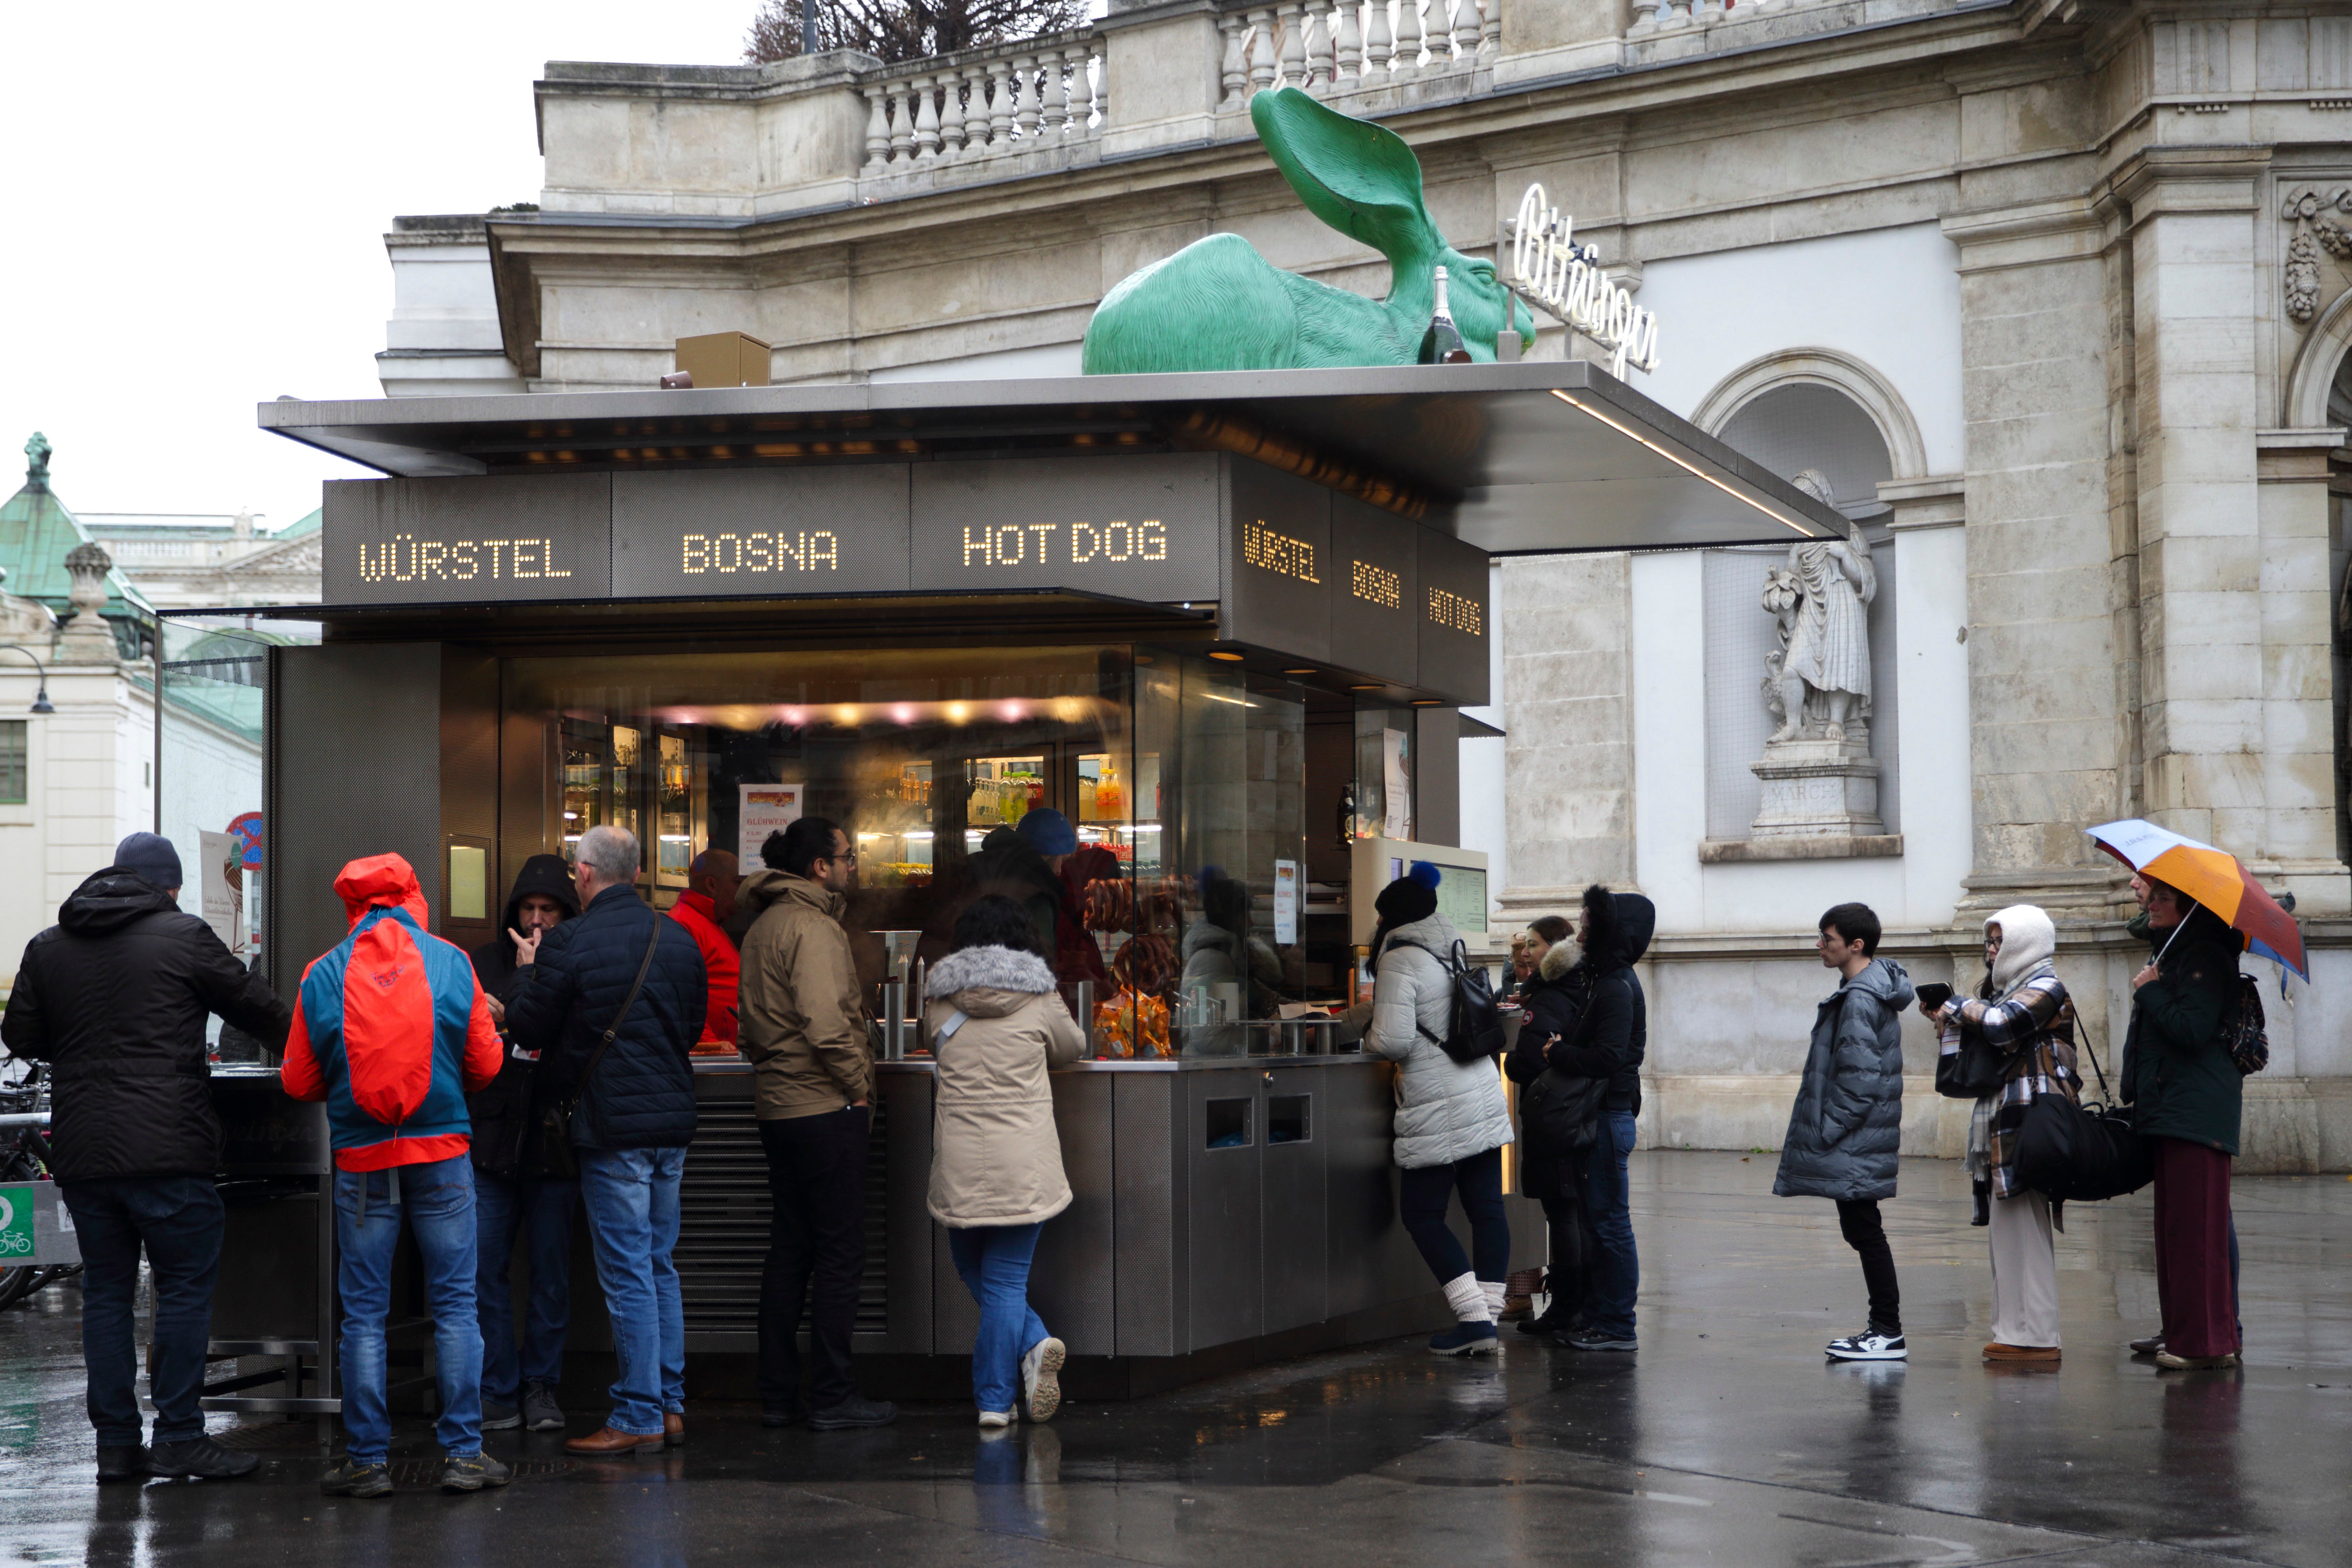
x: 392, y: 1031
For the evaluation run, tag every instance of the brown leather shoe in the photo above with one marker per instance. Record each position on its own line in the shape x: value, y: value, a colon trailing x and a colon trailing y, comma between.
x: 2000, y: 1352
x: 606, y: 1443
x: 674, y: 1428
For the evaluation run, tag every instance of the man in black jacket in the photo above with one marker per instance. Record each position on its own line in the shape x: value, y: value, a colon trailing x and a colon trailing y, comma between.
x: 114, y: 997
x: 634, y: 1119
x: 511, y: 1194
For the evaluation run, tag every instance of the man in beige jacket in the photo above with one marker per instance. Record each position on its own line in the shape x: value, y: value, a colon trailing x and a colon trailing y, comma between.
x: 803, y: 1025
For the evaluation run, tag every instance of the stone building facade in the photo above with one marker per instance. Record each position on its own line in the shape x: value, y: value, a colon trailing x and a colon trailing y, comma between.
x: 2055, y: 293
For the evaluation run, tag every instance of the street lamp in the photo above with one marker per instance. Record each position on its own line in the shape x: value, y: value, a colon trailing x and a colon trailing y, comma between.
x: 41, y: 691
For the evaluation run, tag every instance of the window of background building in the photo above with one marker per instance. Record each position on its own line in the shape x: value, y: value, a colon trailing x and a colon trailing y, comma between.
x: 1790, y: 429
x: 14, y: 753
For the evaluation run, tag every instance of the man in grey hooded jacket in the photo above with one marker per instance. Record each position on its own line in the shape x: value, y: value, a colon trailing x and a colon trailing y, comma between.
x: 1847, y: 1128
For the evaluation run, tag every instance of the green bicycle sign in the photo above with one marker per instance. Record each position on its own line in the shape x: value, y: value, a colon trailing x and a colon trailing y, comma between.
x: 16, y: 1220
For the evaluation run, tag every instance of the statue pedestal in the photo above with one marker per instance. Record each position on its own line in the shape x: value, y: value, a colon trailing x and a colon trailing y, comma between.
x: 1818, y: 789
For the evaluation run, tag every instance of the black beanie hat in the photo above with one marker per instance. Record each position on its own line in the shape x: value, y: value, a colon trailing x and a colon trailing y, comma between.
x: 1405, y: 900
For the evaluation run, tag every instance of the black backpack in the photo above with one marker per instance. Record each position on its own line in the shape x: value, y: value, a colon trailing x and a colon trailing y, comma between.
x: 1474, y: 1030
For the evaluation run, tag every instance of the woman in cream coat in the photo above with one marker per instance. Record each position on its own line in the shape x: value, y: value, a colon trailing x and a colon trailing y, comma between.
x: 997, y: 1024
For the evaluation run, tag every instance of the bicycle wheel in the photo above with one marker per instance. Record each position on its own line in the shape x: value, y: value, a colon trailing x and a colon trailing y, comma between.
x: 16, y: 1284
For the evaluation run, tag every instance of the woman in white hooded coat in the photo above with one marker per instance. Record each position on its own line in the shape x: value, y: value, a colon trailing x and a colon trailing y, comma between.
x: 1452, y: 1121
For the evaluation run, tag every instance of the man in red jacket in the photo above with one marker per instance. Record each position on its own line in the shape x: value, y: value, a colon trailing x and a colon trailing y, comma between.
x: 704, y: 909
x: 392, y: 1033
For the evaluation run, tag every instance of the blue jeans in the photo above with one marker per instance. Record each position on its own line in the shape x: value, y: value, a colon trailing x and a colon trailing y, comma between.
x: 994, y: 1261
x: 633, y: 1219
x: 437, y: 1195
x: 178, y: 1220
x: 1617, y: 1268
x: 541, y: 1209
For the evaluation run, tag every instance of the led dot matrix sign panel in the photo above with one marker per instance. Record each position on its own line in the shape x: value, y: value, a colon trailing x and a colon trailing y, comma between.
x: 468, y: 540
x: 760, y: 533
x: 1128, y: 527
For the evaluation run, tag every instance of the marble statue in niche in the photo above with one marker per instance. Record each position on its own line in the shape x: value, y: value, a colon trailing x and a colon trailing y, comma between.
x: 1819, y: 783
x: 1818, y: 681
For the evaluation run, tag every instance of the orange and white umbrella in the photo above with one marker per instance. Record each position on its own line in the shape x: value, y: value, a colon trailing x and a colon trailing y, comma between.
x: 2215, y: 880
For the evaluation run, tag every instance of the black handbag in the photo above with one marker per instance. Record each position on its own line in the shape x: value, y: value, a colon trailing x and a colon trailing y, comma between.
x: 1972, y: 1071
x: 1562, y: 1112
x: 2082, y: 1154
x: 549, y: 1148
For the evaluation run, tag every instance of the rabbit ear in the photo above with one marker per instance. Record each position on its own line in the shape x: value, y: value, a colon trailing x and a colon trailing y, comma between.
x: 1360, y: 179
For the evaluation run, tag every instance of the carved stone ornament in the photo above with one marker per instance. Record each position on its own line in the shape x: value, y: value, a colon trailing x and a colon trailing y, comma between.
x: 87, y: 638
x: 2314, y: 231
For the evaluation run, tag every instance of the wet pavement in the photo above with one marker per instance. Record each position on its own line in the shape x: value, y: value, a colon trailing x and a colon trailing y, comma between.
x: 1727, y: 1439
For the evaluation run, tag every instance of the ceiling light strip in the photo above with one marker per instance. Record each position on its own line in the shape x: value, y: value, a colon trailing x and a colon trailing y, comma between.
x: 1680, y: 463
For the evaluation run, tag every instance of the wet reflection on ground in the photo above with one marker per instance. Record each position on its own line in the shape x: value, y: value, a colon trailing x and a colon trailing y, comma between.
x: 1727, y: 1439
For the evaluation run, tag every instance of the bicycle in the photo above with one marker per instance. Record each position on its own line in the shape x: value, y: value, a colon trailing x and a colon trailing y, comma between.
x: 24, y: 1157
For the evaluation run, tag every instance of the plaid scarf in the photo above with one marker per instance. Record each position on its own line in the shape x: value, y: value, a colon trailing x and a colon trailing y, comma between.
x: 2034, y: 1028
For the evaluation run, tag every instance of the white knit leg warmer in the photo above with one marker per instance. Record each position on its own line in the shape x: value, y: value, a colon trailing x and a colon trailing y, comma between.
x: 1494, y: 1288
x: 1468, y: 1299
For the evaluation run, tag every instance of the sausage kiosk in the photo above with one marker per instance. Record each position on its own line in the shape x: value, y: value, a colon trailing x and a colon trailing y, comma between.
x: 1223, y: 621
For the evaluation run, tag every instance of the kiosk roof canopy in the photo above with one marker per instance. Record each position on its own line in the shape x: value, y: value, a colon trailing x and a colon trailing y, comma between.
x: 1555, y: 456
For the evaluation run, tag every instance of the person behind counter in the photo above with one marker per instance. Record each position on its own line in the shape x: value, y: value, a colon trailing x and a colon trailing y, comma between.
x: 1451, y: 1118
x: 113, y: 998
x: 803, y: 1028
x: 613, y: 1001
x: 998, y: 1025
x: 512, y: 1192
x: 704, y: 909
x: 391, y: 1031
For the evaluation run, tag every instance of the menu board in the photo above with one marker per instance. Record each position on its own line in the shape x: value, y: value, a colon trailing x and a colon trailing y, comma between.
x: 1140, y: 527
x: 466, y: 541
x: 759, y: 531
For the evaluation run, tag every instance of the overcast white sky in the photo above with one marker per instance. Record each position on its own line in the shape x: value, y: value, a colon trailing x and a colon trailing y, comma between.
x: 196, y: 204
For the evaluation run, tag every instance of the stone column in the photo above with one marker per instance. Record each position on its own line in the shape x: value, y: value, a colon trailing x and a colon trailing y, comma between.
x: 1565, y: 624
x: 2236, y: 738
x: 2042, y: 655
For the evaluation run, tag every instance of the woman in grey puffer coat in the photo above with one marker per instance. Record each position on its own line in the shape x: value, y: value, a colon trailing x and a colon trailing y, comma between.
x: 1846, y: 1129
x: 1451, y: 1118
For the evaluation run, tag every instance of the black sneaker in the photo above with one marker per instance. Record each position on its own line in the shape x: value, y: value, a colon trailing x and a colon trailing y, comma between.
x: 853, y: 1411
x: 351, y: 1479
x: 472, y: 1472
x: 496, y: 1417
x: 122, y: 1464
x: 201, y: 1457
x: 780, y: 1415
x: 540, y: 1411
x: 1870, y: 1344
x: 1591, y: 1339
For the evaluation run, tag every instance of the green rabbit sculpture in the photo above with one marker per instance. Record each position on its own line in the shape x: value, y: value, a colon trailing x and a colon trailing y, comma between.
x: 1217, y: 304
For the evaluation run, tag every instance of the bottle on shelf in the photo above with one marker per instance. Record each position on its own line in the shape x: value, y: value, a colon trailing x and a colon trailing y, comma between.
x: 1441, y: 343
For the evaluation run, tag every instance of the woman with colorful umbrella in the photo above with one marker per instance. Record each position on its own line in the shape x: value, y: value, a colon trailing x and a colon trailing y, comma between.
x: 2179, y: 1076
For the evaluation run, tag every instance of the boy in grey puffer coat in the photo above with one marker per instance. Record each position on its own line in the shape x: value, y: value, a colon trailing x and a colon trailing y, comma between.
x: 1846, y: 1129
x: 1451, y: 1118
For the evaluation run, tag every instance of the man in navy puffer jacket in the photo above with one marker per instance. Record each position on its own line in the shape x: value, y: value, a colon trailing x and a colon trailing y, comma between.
x: 636, y: 1115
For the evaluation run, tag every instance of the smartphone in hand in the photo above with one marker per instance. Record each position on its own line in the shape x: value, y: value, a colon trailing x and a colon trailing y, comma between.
x: 1934, y: 994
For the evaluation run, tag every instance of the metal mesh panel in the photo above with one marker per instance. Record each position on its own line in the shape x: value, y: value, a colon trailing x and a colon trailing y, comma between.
x: 1740, y: 635
x: 724, y: 1212
x: 1792, y: 428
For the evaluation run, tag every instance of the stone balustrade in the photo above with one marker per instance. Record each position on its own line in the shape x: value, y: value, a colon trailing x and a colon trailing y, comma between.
x: 1032, y: 96
x: 1335, y: 50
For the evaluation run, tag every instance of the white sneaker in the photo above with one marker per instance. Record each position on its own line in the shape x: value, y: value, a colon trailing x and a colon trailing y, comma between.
x: 995, y: 1418
x: 1867, y: 1345
x: 1041, y: 1382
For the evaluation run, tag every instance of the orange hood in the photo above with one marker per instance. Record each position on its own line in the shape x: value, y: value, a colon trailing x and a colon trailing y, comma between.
x: 380, y: 880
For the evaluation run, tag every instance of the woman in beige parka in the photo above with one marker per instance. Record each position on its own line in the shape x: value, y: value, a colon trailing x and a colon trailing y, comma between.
x: 997, y: 1024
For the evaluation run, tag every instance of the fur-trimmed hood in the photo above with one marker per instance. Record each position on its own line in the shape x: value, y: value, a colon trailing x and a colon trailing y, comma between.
x: 1617, y: 935
x: 1560, y: 958
x: 988, y: 982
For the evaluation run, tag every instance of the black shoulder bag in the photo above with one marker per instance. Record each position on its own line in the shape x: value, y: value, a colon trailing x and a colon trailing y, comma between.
x: 1972, y: 1071
x: 2082, y: 1154
x: 550, y: 1150
x: 1561, y: 1110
